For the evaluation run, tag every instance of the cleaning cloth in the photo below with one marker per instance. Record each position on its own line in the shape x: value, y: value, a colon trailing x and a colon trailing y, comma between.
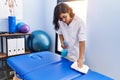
x: 84, y: 68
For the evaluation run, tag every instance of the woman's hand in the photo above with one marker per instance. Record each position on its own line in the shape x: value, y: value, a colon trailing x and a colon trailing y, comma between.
x: 64, y: 45
x: 80, y: 63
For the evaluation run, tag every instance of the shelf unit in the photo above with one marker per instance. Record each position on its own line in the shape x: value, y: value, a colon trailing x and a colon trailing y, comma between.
x: 3, y: 55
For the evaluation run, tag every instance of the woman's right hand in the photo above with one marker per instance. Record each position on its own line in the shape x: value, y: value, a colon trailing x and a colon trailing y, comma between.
x: 64, y: 45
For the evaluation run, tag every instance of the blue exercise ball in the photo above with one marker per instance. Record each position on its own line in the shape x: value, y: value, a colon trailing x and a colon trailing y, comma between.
x: 23, y: 27
x: 39, y: 41
x: 19, y: 26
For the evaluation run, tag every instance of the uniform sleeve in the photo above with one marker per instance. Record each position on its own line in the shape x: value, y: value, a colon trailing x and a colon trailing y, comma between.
x: 59, y: 31
x: 82, y: 32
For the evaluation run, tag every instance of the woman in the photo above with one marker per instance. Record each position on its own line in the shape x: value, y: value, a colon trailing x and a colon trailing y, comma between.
x: 71, y: 30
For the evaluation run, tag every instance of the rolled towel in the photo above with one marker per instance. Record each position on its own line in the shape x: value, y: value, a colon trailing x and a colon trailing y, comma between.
x: 84, y: 68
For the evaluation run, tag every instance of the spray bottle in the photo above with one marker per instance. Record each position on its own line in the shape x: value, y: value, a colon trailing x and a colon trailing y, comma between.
x: 64, y: 51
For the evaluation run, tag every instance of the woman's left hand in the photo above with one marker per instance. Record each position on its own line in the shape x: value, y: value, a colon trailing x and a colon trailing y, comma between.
x: 80, y: 63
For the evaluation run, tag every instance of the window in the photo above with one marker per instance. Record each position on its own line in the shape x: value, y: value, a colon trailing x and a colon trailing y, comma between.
x: 80, y: 9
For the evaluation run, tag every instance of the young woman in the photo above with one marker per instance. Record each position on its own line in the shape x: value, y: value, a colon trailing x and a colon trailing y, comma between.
x: 71, y: 30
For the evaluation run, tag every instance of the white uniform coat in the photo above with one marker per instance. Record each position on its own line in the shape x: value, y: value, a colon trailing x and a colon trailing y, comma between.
x: 73, y: 33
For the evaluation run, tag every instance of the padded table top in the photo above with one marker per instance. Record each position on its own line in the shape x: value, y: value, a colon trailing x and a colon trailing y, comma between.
x: 28, y: 62
x: 48, y: 66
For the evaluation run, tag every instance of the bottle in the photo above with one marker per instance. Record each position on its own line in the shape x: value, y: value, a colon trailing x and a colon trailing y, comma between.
x: 64, y: 51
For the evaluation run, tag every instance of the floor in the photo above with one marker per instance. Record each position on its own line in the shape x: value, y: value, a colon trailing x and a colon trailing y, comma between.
x: 3, y: 73
x: 4, y: 77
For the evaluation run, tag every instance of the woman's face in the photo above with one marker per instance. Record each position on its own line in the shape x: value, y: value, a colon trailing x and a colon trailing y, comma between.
x: 65, y: 17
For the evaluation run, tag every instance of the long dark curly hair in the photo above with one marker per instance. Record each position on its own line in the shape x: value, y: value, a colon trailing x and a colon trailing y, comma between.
x: 61, y: 8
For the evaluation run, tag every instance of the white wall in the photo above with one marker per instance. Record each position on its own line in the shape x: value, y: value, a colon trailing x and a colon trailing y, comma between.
x: 48, y: 9
x: 103, y: 44
x: 38, y: 15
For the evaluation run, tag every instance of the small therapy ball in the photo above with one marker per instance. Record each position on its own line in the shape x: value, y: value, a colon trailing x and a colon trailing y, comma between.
x: 23, y: 28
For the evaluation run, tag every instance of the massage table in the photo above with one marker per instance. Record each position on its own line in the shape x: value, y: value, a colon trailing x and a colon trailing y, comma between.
x: 47, y: 65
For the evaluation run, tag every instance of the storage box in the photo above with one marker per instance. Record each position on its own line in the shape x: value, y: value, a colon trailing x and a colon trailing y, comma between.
x: 13, y: 45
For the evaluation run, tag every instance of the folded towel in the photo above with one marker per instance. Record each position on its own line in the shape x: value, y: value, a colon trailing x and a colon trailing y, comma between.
x: 84, y: 68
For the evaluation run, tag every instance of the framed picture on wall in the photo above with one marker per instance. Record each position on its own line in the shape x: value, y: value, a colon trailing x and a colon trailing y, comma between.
x: 11, y: 8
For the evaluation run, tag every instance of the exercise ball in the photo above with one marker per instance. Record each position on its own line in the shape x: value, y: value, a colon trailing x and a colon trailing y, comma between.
x: 19, y: 25
x: 23, y: 27
x: 39, y: 41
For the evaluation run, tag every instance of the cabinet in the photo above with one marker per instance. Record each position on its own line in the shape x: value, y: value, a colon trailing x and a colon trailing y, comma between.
x: 12, y: 45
